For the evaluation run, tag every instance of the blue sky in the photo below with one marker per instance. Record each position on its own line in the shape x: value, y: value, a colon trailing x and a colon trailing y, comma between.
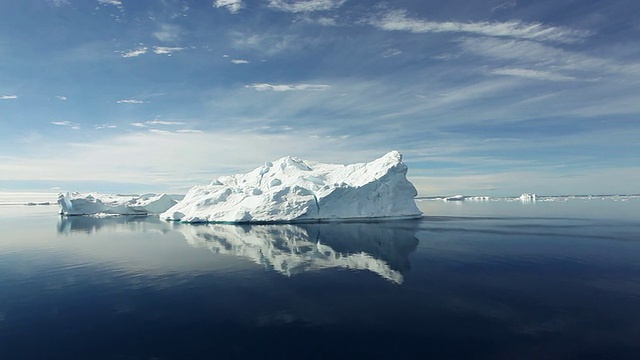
x: 484, y: 97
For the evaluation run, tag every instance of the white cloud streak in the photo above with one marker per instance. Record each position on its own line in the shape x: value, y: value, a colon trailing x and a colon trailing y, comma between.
x: 130, y: 101
x: 288, y: 87
x: 297, y: 6
x: 111, y: 2
x: 70, y: 124
x: 234, y: 6
x: 532, y: 74
x: 164, y: 50
x: 239, y: 61
x: 399, y: 21
x: 60, y: 97
x: 162, y: 122
x: 135, y: 52
x: 105, y: 126
x: 8, y: 97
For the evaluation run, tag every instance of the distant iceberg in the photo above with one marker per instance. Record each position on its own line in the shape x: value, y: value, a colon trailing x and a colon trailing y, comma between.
x: 455, y: 198
x: 295, y: 190
x: 96, y: 203
x: 526, y: 197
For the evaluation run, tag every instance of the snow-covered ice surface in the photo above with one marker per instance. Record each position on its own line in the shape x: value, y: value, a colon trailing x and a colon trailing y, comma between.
x: 105, y: 204
x: 295, y: 190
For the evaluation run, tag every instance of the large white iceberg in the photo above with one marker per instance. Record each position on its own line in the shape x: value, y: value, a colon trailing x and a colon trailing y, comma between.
x: 295, y: 190
x: 96, y: 203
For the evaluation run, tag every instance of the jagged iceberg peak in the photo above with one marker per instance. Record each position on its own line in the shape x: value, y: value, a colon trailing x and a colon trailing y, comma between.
x: 294, y: 190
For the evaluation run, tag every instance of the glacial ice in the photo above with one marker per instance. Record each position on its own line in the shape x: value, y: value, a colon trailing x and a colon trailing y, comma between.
x: 295, y: 190
x: 96, y: 203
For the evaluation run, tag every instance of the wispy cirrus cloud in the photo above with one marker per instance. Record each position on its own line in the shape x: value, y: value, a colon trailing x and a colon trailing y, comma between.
x: 391, y: 52
x: 239, y: 61
x: 59, y: 3
x: 61, y: 97
x: 157, y: 122
x: 234, y: 6
x: 287, y: 87
x: 130, y: 101
x: 267, y: 43
x: 165, y: 50
x: 111, y: 2
x: 168, y: 33
x: 158, y: 50
x: 398, y: 20
x: 532, y: 74
x: 70, y: 124
x: 504, y: 6
x: 301, y: 6
x: 164, y: 122
x: 534, y: 55
x: 134, y: 52
x: 8, y: 97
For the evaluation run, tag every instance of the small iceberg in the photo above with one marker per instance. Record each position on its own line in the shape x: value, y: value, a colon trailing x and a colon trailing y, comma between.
x: 455, y: 198
x: 526, y: 197
x: 295, y: 190
x: 72, y: 204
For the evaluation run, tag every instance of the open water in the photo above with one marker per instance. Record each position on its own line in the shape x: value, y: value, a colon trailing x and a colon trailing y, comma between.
x: 555, y: 279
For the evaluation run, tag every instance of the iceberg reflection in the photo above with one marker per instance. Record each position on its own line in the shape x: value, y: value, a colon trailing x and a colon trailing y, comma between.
x: 91, y: 224
x: 382, y: 248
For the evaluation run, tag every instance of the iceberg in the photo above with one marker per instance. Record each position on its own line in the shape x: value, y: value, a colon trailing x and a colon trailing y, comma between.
x: 455, y: 198
x: 294, y: 190
x: 95, y: 203
x: 527, y: 197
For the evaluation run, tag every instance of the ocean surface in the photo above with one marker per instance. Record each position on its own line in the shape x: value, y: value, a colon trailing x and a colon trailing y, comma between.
x: 558, y: 278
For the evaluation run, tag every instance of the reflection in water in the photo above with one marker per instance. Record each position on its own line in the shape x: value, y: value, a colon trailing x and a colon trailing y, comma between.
x: 294, y: 249
x: 89, y: 224
x: 380, y: 247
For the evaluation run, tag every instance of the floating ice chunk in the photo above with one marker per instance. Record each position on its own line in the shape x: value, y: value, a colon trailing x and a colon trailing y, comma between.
x: 300, y: 191
x: 455, y: 198
x: 95, y: 203
x: 526, y: 197
x: 477, y: 198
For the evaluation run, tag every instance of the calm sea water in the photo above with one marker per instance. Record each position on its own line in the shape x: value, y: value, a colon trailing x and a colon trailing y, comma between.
x: 480, y: 280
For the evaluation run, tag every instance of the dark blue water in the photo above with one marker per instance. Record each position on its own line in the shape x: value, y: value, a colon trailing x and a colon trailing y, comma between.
x: 493, y: 280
